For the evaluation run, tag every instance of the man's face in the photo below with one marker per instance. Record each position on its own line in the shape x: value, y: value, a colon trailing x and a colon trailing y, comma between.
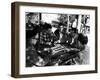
x: 50, y: 30
x: 61, y: 28
x: 33, y: 19
x: 72, y: 33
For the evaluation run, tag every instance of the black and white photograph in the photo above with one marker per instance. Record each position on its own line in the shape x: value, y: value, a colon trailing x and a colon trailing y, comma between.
x: 54, y: 39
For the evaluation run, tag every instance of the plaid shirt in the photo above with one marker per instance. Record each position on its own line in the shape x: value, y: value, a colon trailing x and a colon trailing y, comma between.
x: 46, y: 37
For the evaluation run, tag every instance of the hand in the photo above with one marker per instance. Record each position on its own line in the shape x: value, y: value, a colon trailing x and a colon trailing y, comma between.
x: 46, y: 49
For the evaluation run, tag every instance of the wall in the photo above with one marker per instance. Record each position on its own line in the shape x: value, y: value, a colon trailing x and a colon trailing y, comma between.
x: 5, y: 40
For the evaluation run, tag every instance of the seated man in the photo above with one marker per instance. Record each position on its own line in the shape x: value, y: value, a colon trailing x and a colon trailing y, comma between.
x: 76, y: 43
x: 45, y: 42
x: 46, y: 35
x: 77, y: 48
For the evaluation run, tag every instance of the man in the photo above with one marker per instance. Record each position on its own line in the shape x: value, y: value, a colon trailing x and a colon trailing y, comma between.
x: 46, y: 35
x: 60, y: 34
x: 45, y: 42
x: 78, y: 46
x: 77, y: 43
x: 31, y: 28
